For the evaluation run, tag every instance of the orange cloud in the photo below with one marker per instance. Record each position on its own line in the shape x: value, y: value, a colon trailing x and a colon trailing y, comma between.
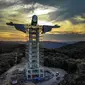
x: 68, y: 27
x: 10, y: 36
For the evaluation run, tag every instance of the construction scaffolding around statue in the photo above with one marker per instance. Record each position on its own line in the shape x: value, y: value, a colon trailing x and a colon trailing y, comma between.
x: 33, y: 68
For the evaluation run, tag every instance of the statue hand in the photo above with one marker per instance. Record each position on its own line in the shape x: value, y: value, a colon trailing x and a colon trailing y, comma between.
x: 10, y: 23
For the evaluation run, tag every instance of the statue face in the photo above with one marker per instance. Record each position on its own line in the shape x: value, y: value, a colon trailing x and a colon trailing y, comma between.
x: 34, y: 18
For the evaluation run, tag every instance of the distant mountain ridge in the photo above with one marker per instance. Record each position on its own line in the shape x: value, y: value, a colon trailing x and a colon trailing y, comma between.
x: 53, y: 45
x: 6, y: 46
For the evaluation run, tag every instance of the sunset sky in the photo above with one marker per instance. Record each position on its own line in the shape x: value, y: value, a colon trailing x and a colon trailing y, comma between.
x: 69, y: 14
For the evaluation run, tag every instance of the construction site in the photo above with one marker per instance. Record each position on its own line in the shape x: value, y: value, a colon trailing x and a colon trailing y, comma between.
x: 31, y: 72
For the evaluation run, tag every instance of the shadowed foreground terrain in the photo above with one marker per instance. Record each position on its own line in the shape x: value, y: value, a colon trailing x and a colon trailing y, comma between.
x: 70, y: 58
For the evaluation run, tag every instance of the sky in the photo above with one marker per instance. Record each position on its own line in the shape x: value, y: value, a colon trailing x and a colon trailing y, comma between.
x: 69, y: 14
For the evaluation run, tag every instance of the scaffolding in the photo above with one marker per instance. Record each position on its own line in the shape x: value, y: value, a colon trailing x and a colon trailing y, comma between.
x: 33, y: 68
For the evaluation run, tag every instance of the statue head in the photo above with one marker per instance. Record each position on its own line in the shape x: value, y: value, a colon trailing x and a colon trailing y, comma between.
x: 34, y: 20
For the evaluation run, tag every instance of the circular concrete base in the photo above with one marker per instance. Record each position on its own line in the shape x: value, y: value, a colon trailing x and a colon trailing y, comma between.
x: 51, y: 76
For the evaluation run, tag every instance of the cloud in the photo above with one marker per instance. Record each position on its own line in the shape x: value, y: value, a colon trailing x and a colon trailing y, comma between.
x: 7, y: 3
x: 12, y: 36
x: 78, y: 19
x: 19, y: 12
x: 70, y: 9
x: 67, y: 9
x: 70, y: 14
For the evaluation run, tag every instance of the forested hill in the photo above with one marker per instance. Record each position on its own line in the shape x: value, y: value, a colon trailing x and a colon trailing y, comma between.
x: 76, y: 50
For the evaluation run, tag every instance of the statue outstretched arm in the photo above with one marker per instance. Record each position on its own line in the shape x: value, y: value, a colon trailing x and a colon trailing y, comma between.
x: 47, y: 28
x: 20, y: 27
